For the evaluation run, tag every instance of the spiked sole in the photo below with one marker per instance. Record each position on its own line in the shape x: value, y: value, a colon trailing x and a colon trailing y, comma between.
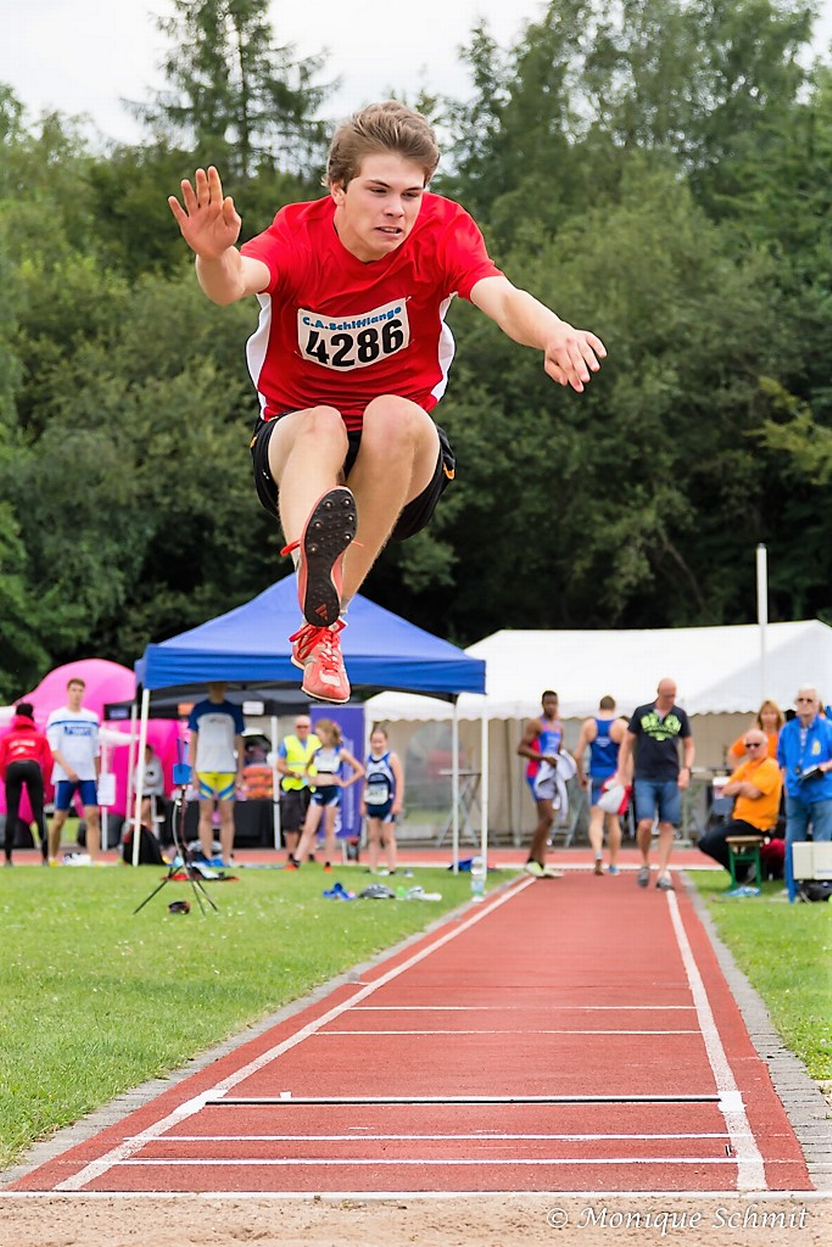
x: 328, y: 532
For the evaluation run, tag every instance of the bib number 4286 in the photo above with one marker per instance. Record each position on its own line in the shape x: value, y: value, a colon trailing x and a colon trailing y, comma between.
x: 353, y: 342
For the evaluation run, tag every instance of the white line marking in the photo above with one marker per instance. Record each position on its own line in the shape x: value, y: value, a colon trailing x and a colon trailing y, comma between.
x: 341, y: 1034
x: 359, y: 1162
x: 750, y: 1167
x: 357, y: 1135
x: 694, y: 1197
x: 128, y: 1147
x: 547, y: 1008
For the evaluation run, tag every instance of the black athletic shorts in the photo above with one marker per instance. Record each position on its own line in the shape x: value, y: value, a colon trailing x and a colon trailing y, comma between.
x: 294, y: 802
x: 414, y: 517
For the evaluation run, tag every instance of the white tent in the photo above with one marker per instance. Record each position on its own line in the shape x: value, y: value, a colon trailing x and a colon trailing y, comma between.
x: 720, y: 672
x: 717, y: 670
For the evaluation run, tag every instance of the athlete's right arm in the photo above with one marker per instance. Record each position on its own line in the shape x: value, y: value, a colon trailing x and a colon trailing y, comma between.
x: 210, y: 225
x: 580, y: 750
x: 527, y: 740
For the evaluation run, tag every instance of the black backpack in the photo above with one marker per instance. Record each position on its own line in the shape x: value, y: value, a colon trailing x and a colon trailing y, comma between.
x: 149, y: 852
x: 814, y: 890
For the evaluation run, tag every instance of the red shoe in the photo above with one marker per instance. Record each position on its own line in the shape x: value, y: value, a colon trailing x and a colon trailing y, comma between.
x: 318, y: 652
x: 326, y: 535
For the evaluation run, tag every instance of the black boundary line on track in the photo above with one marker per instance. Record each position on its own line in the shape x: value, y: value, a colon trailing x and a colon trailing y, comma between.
x: 809, y: 1114
x: 290, y: 1101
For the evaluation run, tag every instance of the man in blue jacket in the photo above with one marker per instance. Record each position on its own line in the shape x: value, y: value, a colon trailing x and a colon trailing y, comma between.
x: 804, y: 752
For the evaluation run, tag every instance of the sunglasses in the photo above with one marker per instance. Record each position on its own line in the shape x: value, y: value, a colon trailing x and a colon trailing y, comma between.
x: 754, y: 744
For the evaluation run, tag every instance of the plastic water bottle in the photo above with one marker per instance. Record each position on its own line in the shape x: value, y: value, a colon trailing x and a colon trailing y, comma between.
x: 477, y: 880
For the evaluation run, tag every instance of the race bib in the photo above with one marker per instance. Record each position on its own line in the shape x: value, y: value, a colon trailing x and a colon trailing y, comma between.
x: 347, y: 342
x: 377, y: 792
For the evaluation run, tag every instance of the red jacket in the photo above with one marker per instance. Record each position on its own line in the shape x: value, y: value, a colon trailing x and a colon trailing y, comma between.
x: 24, y: 743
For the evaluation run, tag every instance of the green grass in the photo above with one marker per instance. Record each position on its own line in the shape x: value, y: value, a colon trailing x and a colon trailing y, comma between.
x: 95, y: 999
x: 786, y: 953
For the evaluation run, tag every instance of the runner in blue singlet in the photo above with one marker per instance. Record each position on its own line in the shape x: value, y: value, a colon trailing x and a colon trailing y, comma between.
x: 541, y: 743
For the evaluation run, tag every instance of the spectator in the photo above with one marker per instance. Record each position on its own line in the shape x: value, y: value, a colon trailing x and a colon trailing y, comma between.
x: 72, y: 733
x: 324, y: 771
x: 769, y: 719
x: 216, y: 754
x: 804, y: 754
x: 540, y: 744
x: 153, y: 788
x: 25, y: 761
x: 602, y: 735
x: 382, y: 799
x: 294, y: 754
x: 757, y: 786
x: 654, y: 732
x: 353, y: 353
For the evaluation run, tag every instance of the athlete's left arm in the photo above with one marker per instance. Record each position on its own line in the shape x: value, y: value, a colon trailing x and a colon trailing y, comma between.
x: 358, y: 771
x: 569, y: 354
x: 240, y: 750
x: 398, y: 776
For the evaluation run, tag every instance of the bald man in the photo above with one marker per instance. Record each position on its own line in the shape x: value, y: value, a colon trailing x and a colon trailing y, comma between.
x: 655, y: 733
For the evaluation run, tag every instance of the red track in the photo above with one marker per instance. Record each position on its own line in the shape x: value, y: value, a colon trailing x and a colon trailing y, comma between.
x: 570, y: 1035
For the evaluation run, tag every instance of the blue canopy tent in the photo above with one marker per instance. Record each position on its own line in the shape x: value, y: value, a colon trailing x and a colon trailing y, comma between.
x: 248, y: 648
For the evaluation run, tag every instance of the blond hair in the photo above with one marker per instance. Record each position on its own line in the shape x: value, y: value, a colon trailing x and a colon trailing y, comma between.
x: 386, y: 127
x: 331, y: 728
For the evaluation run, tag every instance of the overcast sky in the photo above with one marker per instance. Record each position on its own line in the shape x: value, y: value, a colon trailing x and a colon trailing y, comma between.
x: 83, y: 56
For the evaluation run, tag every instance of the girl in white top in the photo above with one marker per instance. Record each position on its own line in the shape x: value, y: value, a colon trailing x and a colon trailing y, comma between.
x: 382, y: 799
x: 324, y: 771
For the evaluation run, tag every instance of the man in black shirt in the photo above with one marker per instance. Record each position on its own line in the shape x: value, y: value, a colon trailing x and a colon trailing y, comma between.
x: 654, y: 732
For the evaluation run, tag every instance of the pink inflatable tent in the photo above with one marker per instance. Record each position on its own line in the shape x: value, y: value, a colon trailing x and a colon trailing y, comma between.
x: 106, y: 682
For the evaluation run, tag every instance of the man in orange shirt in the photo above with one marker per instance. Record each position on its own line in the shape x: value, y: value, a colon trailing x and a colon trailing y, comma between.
x: 756, y: 784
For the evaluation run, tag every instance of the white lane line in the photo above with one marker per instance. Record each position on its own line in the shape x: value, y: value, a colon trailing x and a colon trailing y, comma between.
x: 507, y: 1008
x: 128, y: 1147
x: 358, y: 1136
x: 360, y: 1162
x: 341, y: 1034
x: 750, y: 1167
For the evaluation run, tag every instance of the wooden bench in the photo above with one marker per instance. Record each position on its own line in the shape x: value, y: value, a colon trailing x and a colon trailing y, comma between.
x: 745, y: 850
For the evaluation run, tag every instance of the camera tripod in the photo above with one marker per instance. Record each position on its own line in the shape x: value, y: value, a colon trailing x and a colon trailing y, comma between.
x: 183, y: 862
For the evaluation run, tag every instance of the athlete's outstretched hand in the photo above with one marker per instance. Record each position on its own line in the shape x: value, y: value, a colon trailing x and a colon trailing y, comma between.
x: 572, y: 355
x: 210, y: 224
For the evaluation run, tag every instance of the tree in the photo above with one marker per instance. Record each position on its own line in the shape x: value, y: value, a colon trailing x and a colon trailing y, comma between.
x: 240, y: 100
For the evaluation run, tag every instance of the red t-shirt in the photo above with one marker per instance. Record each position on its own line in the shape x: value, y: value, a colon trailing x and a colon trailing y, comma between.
x: 24, y: 743
x: 339, y: 331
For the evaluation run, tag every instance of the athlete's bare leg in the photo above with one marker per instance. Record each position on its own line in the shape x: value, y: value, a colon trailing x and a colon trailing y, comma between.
x: 93, y: 821
x: 396, y: 462
x: 644, y: 839
x: 540, y: 839
x: 306, y: 456
x: 613, y: 837
x: 666, y: 833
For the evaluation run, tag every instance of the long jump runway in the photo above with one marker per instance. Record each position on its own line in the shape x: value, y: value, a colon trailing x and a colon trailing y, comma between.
x: 566, y: 1035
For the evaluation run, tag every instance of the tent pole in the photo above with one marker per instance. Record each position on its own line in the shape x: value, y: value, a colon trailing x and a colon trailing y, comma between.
x: 484, y: 784
x: 455, y: 786
x: 762, y: 614
x: 275, y: 788
x: 137, y: 821
x: 105, y: 809
x: 131, y: 765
